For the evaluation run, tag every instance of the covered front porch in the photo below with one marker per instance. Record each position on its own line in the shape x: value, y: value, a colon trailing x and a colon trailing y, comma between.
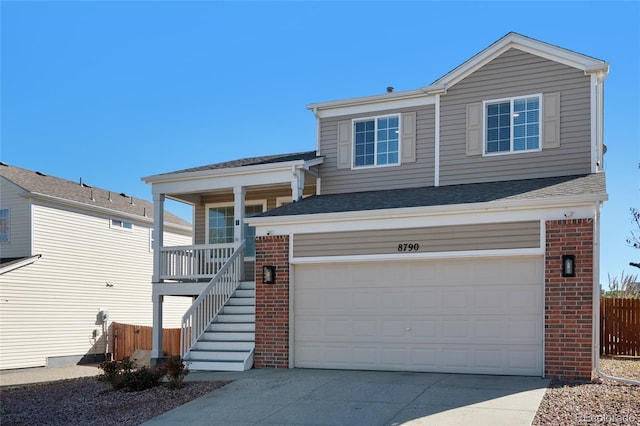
x: 221, y: 196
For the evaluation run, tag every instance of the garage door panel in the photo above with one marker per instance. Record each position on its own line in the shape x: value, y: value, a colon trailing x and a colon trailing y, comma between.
x: 476, y: 316
x: 446, y: 329
x: 453, y: 358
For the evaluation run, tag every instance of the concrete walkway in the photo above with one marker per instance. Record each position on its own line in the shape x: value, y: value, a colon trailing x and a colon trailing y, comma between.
x: 331, y: 397
x: 25, y: 376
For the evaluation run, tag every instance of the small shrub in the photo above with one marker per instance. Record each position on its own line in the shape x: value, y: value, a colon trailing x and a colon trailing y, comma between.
x: 175, y: 372
x: 122, y: 375
x: 141, y: 379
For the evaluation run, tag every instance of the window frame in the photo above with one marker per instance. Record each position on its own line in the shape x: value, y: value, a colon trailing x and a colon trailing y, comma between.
x: 375, y: 119
x: 8, y: 226
x: 122, y: 226
x: 511, y: 100
x: 151, y: 238
x: 261, y: 202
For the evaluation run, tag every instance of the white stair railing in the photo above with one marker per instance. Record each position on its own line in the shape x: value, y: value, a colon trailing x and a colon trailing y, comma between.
x: 193, y: 262
x: 211, y: 301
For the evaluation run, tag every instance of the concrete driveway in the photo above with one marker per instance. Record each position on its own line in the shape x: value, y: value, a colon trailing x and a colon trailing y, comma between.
x: 333, y: 397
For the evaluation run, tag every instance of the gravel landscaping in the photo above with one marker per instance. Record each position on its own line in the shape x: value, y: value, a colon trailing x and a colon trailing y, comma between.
x: 86, y: 401
x: 586, y: 403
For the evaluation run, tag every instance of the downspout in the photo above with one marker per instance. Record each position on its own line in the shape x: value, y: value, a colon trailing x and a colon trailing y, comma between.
x: 317, y: 116
x: 596, y: 302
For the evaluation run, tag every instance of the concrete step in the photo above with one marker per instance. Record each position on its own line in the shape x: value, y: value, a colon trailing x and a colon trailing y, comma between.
x: 236, y: 326
x: 229, y: 336
x: 236, y: 318
x: 215, y: 366
x: 244, y: 293
x: 239, y: 309
x: 200, y: 355
x: 224, y: 345
x: 247, y: 285
x: 242, y: 301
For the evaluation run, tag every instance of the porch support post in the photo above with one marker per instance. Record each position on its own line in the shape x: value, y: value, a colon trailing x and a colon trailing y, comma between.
x: 158, y: 235
x: 238, y: 213
x: 239, y: 193
x: 297, y: 184
x: 156, y: 335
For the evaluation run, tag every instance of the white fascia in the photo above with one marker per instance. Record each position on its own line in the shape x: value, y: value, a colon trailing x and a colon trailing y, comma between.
x: 492, y: 212
x: 208, y: 180
x: 370, y: 104
x: 553, y: 53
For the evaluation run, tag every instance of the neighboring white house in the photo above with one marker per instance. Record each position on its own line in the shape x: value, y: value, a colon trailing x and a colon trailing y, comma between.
x: 70, y: 254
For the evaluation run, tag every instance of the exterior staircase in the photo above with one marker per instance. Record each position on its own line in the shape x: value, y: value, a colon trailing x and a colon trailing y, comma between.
x: 229, y: 341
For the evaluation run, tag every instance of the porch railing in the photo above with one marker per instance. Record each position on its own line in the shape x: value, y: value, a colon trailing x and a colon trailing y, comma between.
x: 211, y: 301
x: 193, y: 262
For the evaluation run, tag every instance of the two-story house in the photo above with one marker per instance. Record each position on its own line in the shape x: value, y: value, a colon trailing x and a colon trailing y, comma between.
x: 451, y: 228
x: 74, y: 259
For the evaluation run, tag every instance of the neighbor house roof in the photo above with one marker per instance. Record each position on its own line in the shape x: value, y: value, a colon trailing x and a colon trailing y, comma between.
x: 525, y: 189
x: 41, y: 184
x: 244, y: 162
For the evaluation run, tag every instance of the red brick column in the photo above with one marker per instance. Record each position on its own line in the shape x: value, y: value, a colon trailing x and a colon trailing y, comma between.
x: 568, y: 300
x: 272, y: 304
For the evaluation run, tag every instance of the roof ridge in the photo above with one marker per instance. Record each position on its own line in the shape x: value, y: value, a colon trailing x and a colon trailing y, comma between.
x: 39, y: 183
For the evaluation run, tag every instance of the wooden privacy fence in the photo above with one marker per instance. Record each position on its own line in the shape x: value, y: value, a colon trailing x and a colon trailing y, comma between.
x: 127, y: 338
x: 620, y: 326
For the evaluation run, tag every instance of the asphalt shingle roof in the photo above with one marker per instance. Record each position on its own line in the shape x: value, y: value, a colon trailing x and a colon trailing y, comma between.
x: 525, y: 189
x: 251, y: 161
x: 40, y: 183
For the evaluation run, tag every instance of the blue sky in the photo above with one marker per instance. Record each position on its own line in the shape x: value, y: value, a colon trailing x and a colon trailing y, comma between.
x: 113, y: 91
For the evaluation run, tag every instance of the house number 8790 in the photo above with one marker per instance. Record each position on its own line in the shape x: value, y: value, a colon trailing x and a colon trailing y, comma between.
x: 402, y: 247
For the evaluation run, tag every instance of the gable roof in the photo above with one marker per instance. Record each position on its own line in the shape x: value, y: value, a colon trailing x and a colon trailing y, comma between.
x: 524, y: 189
x: 511, y: 40
x: 40, y: 184
x: 243, y: 162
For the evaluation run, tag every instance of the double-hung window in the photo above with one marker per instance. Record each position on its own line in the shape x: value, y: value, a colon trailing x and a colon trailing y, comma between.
x: 376, y: 141
x: 220, y: 227
x: 512, y: 125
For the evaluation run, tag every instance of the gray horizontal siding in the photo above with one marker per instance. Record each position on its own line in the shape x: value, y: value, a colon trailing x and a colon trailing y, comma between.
x: 437, y: 239
x: 516, y: 73
x: 420, y: 173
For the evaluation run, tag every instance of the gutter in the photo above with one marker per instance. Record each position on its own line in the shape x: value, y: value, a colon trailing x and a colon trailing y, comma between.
x: 228, y: 172
x: 103, y: 210
x: 596, y: 305
x: 406, y: 212
x: 20, y: 264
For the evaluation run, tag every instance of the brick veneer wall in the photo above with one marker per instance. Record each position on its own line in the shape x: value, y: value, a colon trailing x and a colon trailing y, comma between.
x: 568, y: 300
x: 272, y: 304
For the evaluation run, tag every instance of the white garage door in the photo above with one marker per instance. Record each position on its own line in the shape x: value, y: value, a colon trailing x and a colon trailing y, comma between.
x: 462, y: 316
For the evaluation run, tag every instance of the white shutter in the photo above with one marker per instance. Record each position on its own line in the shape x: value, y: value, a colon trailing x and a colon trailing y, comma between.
x: 551, y: 120
x: 474, y: 129
x: 345, y: 131
x: 408, y: 139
